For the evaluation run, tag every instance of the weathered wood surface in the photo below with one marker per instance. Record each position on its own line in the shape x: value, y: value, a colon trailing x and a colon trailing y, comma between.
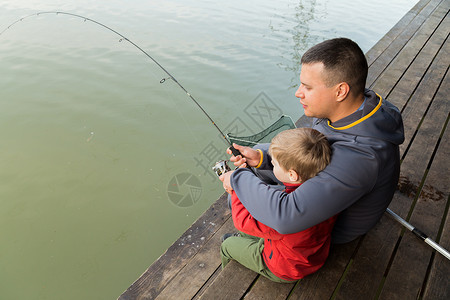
x: 324, y: 283
x: 438, y: 281
x: 162, y: 271
x: 411, y: 62
x: 192, y: 277
x: 388, y: 54
x: 394, y: 32
x: 411, y: 260
x: 409, y: 66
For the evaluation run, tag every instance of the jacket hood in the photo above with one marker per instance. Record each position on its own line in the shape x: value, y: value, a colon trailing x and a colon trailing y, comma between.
x: 378, y: 119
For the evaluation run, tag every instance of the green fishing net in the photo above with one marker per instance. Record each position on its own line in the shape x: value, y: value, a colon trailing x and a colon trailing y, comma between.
x: 265, y: 136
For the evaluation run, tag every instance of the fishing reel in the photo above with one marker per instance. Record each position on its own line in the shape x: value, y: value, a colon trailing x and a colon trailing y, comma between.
x: 221, y: 167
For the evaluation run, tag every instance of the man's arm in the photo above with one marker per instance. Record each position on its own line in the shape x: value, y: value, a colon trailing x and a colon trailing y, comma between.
x: 350, y: 175
x: 244, y: 221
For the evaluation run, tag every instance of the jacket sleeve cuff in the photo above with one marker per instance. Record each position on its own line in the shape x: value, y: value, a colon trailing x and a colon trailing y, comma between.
x: 265, y: 162
x: 262, y: 158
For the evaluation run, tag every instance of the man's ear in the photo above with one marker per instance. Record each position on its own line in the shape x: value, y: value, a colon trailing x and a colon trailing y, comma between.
x: 342, y: 91
x: 293, y: 176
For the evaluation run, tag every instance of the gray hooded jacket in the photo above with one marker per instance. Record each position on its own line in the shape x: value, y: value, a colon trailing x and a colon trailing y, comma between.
x: 358, y: 184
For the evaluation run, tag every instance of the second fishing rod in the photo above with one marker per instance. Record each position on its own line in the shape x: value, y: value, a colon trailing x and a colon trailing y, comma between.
x: 124, y: 38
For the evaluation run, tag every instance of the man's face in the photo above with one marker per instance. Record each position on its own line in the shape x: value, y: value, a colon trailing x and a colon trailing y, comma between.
x: 317, y: 99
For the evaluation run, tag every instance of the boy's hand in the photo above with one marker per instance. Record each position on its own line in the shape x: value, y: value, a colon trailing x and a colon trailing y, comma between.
x: 248, y: 155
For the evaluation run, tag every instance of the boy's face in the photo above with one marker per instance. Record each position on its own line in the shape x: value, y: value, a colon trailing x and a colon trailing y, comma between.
x: 317, y: 99
x: 281, y: 174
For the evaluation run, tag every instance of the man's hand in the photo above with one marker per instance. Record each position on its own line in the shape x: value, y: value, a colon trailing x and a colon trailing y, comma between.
x: 225, y: 178
x: 248, y: 155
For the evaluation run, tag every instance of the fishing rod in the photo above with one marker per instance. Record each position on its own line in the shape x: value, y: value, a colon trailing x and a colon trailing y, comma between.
x: 420, y: 234
x: 124, y: 38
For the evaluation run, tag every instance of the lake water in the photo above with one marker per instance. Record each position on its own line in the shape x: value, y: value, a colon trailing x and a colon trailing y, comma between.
x: 102, y: 167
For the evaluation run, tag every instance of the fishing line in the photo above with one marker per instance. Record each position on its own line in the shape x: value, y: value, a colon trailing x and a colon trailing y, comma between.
x: 124, y: 38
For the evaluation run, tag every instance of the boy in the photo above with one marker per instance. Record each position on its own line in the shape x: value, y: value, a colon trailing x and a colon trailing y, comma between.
x: 297, y: 155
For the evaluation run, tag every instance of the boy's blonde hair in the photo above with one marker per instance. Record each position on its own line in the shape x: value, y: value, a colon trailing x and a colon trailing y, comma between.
x: 304, y: 150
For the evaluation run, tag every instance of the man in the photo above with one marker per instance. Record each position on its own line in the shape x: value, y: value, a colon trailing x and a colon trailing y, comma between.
x: 364, y: 131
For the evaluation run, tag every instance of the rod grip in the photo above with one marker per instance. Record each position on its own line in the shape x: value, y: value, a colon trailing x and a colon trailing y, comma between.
x: 421, y: 235
x: 235, y: 151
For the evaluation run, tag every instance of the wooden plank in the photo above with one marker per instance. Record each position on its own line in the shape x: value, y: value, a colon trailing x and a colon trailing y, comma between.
x: 366, y: 271
x: 396, y: 46
x: 194, y: 275
x: 438, y: 285
x: 417, y: 54
x: 158, y: 275
x: 231, y: 283
x: 409, y: 268
x: 265, y: 289
x: 374, y: 255
x: 322, y: 284
x: 420, y: 100
x: 414, y: 74
x: 207, y: 283
x: 394, y: 32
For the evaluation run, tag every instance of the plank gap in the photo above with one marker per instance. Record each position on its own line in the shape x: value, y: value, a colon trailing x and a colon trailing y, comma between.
x: 293, y: 289
x: 437, y: 145
x: 207, y: 283
x: 444, y: 219
x: 347, y: 268
x: 419, y: 190
x: 414, y: 59
x: 424, y: 114
x: 250, y: 286
x: 389, y: 265
x: 424, y: 73
x: 407, y: 40
x: 427, y: 276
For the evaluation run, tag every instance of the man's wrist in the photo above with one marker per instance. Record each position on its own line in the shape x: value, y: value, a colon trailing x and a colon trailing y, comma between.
x: 260, y: 159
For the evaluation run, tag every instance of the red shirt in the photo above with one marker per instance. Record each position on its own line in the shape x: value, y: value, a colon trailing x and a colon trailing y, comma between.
x: 288, y: 256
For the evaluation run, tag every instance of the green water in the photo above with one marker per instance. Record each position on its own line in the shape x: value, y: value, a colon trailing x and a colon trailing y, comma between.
x: 95, y: 151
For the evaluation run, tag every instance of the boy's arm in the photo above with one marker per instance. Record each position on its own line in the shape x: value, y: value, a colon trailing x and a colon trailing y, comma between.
x: 243, y: 221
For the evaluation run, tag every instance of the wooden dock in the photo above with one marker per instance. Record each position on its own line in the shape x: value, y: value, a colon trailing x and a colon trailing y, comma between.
x: 409, y: 66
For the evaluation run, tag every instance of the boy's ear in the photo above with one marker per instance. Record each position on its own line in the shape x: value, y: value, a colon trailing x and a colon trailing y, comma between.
x: 293, y: 176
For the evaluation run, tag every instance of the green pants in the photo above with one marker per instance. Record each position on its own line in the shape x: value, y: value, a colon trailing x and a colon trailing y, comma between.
x: 247, y: 250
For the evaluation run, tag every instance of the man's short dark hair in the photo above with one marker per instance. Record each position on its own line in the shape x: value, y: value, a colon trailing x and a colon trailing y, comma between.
x: 343, y: 60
